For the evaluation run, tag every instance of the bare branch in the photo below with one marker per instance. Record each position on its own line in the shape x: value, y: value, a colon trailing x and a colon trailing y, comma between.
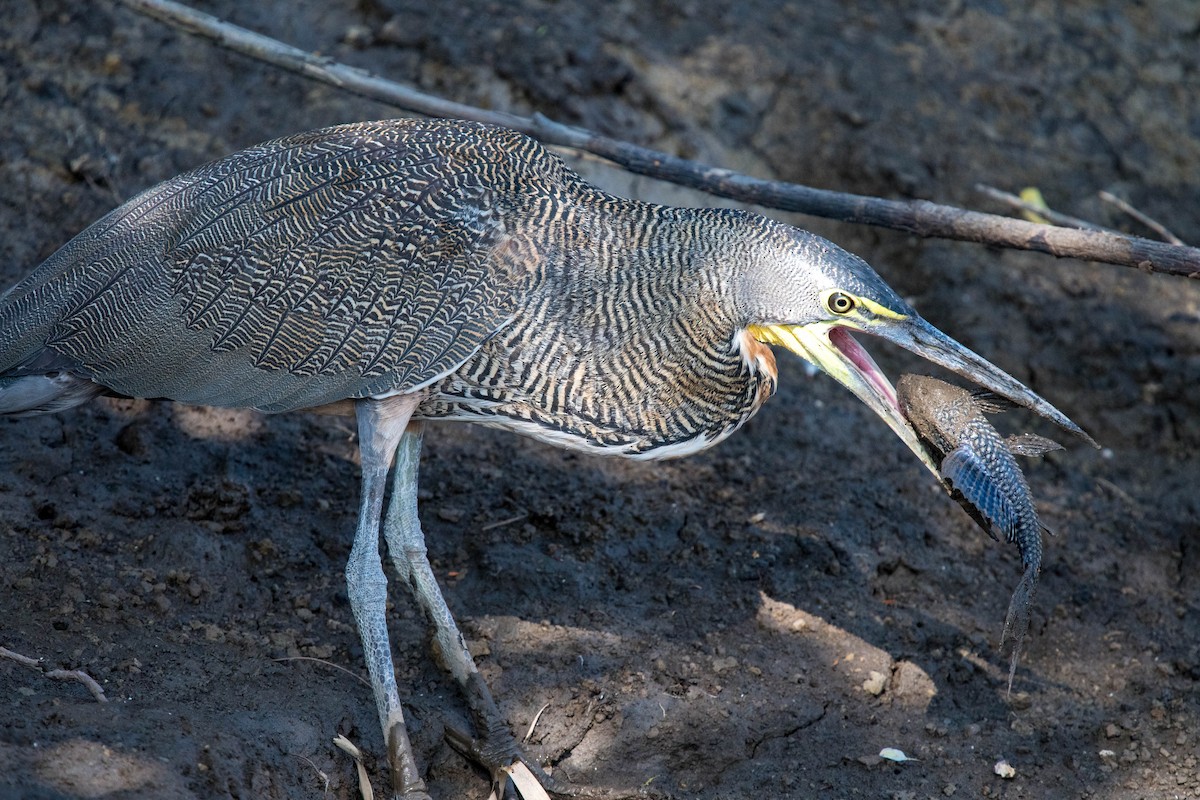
x: 1061, y: 220
x: 57, y: 674
x: 1149, y: 222
x: 82, y: 677
x: 919, y: 217
x: 23, y: 660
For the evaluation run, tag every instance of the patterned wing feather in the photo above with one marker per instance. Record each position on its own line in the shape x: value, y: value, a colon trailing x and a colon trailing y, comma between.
x: 346, y: 262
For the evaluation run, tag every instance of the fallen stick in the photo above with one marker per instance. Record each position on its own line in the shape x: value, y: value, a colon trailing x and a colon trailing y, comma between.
x: 77, y: 675
x: 919, y: 217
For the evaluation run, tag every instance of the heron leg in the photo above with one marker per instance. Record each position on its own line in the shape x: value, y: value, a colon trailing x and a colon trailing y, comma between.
x: 381, y: 425
x: 495, y: 748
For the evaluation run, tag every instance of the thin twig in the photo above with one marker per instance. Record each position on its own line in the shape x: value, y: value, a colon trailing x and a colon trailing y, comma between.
x: 1060, y: 219
x: 356, y: 677
x: 82, y: 677
x: 500, y: 523
x: 320, y: 773
x: 1149, y: 222
x: 532, y: 725
x: 919, y: 217
x: 76, y: 675
x: 33, y: 663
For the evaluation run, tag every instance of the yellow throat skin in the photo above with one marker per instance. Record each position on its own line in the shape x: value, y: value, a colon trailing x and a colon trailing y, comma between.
x: 851, y: 366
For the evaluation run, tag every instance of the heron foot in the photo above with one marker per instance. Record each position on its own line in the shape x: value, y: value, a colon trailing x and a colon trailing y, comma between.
x: 495, y: 748
x: 514, y: 775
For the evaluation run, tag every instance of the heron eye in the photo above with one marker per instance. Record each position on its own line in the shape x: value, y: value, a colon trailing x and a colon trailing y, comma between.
x: 840, y: 303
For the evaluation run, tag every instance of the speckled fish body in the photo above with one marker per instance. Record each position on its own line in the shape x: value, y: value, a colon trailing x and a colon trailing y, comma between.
x: 979, y: 470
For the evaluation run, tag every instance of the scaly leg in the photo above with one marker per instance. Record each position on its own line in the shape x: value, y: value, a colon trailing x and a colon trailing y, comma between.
x: 496, y: 747
x: 381, y: 425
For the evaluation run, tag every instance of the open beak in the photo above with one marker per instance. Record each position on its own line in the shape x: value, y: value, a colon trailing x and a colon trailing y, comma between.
x: 831, y: 348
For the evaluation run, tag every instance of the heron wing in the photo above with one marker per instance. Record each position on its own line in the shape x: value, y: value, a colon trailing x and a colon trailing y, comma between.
x: 355, y: 261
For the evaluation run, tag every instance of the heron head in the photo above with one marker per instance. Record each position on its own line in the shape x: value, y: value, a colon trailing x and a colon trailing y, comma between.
x: 810, y: 296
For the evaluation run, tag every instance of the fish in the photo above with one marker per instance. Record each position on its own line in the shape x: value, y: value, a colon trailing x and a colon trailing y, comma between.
x: 977, y: 466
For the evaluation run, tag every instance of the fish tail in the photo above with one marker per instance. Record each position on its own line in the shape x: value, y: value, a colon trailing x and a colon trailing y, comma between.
x: 1016, y: 623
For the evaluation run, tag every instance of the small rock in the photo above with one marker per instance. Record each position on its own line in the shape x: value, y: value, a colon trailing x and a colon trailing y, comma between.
x: 1004, y: 769
x: 724, y: 664
x: 399, y: 31
x: 875, y: 683
x: 1022, y: 726
x: 1021, y: 701
x: 912, y: 686
x: 358, y: 36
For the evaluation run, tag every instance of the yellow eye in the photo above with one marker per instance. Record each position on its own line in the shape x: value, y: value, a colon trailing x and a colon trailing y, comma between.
x: 840, y: 303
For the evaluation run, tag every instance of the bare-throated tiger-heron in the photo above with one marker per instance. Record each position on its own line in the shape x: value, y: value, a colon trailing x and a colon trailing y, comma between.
x: 411, y: 270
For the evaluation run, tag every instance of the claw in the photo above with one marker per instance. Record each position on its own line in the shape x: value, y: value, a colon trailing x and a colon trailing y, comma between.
x: 505, y: 762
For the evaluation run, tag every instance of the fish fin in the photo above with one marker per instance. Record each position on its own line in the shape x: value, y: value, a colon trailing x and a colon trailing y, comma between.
x: 991, y: 402
x: 984, y: 524
x: 968, y: 475
x: 1030, y: 444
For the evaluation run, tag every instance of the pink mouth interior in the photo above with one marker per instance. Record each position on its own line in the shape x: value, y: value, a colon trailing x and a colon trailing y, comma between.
x: 845, y: 343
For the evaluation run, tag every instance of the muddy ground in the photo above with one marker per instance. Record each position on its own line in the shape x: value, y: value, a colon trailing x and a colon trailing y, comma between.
x: 706, y: 628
